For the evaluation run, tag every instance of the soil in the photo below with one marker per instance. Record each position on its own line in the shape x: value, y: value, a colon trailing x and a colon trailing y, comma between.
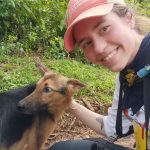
x: 69, y: 127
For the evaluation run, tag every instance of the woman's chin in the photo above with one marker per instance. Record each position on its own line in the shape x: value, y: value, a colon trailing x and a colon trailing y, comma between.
x: 116, y: 68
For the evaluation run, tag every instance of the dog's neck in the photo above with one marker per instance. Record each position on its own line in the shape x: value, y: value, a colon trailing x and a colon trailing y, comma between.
x: 43, y: 126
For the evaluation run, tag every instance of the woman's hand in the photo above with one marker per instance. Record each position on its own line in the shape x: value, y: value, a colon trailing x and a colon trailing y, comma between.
x: 91, y: 119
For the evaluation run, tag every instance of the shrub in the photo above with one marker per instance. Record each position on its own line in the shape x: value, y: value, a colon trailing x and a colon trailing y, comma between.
x: 35, y: 24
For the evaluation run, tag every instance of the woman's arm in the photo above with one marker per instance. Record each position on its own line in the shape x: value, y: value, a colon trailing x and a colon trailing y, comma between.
x: 104, y: 125
x: 89, y: 118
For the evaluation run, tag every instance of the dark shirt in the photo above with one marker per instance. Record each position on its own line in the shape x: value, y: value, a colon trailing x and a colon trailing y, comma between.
x: 133, y: 96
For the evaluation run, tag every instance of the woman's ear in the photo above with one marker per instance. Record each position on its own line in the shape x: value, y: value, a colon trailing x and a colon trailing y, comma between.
x: 130, y: 19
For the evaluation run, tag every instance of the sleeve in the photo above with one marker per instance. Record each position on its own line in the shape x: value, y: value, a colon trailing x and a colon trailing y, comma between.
x: 110, y: 119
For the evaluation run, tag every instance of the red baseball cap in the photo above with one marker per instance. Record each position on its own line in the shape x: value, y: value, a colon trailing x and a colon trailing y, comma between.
x: 79, y: 10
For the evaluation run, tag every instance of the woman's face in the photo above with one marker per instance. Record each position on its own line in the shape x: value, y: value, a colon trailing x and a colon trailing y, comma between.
x: 108, y: 40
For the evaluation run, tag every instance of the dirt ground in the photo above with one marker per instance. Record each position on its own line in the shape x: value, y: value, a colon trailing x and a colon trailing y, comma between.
x: 68, y: 127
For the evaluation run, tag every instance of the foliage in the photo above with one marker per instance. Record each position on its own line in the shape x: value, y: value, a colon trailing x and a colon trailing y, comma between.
x: 141, y: 6
x: 21, y: 71
x: 36, y: 25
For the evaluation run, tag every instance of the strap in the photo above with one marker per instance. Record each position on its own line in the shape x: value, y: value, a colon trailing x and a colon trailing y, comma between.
x: 119, y: 114
x: 144, y: 73
x: 147, y: 106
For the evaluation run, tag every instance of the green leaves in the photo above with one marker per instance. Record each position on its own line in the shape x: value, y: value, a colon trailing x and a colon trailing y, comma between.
x: 141, y: 6
x: 37, y: 24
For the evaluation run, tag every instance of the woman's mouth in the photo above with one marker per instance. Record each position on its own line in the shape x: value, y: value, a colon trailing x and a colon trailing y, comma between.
x: 108, y: 57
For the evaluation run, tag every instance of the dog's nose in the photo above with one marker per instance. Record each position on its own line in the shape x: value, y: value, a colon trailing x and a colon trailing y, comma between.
x: 21, y: 106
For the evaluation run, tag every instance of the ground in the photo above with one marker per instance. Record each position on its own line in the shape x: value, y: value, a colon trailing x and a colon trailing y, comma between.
x: 69, y: 127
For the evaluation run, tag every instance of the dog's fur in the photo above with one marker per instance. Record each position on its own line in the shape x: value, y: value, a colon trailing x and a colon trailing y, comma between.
x: 26, y: 124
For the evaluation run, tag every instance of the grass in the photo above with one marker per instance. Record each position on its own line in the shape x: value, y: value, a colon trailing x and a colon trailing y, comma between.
x: 19, y: 71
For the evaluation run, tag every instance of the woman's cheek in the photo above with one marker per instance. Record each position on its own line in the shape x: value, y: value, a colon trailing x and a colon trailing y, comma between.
x: 89, y: 56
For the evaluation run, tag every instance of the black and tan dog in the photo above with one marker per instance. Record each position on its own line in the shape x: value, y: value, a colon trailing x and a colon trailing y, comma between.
x: 28, y: 115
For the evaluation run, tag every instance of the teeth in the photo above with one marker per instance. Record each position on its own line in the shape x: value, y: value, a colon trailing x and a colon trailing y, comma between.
x: 110, y: 55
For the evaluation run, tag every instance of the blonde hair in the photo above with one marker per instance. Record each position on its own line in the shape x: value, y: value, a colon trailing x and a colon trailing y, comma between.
x: 142, y: 23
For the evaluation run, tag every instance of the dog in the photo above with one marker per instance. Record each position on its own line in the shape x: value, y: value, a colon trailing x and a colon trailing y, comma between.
x: 29, y: 114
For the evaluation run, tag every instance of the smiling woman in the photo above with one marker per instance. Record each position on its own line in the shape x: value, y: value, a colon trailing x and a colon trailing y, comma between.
x: 109, y: 34
x: 104, y: 44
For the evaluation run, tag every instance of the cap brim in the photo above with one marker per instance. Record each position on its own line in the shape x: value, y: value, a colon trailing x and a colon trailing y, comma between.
x: 100, y: 10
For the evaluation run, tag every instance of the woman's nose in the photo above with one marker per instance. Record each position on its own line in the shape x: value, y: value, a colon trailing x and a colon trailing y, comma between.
x: 99, y: 44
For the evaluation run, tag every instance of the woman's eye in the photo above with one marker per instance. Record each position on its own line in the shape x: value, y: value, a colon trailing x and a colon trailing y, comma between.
x: 47, y: 89
x: 104, y: 29
x: 86, y: 44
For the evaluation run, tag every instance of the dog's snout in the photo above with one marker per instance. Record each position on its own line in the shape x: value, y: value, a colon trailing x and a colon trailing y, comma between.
x: 27, y: 106
x: 21, y: 105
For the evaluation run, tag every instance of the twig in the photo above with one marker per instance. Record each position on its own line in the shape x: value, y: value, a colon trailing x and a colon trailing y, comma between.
x: 70, y: 131
x: 53, y: 136
x: 43, y: 69
x: 87, y: 104
x: 72, y: 123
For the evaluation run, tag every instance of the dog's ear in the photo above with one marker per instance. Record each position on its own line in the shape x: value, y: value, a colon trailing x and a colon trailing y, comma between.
x: 74, y: 85
x: 42, y: 68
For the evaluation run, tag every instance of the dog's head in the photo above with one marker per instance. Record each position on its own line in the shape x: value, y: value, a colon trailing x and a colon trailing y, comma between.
x: 53, y: 93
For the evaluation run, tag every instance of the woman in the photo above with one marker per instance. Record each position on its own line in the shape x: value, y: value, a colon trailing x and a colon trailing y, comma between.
x: 108, y: 34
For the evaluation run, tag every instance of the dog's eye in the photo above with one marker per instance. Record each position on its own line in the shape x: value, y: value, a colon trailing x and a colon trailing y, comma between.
x: 48, y: 89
